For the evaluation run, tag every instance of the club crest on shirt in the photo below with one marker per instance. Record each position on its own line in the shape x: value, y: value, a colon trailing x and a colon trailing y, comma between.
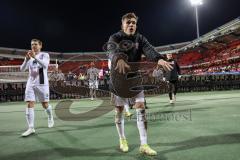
x: 41, y: 57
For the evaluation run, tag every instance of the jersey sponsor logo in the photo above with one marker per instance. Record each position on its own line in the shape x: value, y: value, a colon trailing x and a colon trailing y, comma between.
x: 34, y: 61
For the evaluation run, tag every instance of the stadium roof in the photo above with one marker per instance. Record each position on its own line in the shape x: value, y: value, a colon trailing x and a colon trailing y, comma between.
x: 170, y: 47
x: 220, y: 36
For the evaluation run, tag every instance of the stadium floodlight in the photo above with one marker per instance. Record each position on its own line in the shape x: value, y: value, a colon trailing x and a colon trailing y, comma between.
x: 196, y: 3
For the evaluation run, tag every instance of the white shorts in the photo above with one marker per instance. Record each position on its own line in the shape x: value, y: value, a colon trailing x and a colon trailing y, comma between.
x: 37, y: 93
x: 93, y: 84
x: 119, y: 101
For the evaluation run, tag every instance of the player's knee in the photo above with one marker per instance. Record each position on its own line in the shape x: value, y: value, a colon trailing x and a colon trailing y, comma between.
x: 30, y: 104
x: 139, y: 105
x: 45, y: 104
x: 118, y: 115
x: 119, y: 109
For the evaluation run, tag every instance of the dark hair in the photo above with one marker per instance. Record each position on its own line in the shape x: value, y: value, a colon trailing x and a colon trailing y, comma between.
x: 37, y: 40
x: 129, y: 16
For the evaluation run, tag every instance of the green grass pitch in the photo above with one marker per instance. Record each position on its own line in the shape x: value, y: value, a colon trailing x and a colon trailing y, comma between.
x: 201, y: 125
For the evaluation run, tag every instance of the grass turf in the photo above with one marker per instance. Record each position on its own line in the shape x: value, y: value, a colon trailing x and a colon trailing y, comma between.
x: 201, y: 125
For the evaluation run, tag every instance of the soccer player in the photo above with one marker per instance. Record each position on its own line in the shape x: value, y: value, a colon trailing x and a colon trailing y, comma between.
x: 92, y: 74
x: 172, y: 78
x: 37, y: 88
x: 141, y: 46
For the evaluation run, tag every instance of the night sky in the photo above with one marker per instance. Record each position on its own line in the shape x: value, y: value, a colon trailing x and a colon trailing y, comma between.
x: 85, y: 25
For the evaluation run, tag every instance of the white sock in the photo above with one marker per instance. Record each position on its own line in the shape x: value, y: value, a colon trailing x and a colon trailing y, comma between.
x: 126, y: 107
x: 30, y: 117
x: 49, y: 111
x: 142, y: 125
x: 119, y: 120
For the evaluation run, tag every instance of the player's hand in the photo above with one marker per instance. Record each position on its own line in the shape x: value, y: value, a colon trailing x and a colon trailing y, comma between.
x: 28, y: 55
x: 32, y: 54
x: 122, y: 66
x: 166, y: 65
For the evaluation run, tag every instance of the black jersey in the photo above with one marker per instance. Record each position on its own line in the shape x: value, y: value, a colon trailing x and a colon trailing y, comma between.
x: 173, y: 74
x: 132, y: 47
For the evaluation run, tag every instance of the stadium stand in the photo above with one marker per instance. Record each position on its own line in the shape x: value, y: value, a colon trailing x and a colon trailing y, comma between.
x: 211, y: 62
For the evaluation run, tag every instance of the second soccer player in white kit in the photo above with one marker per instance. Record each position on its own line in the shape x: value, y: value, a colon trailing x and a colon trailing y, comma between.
x: 37, y: 88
